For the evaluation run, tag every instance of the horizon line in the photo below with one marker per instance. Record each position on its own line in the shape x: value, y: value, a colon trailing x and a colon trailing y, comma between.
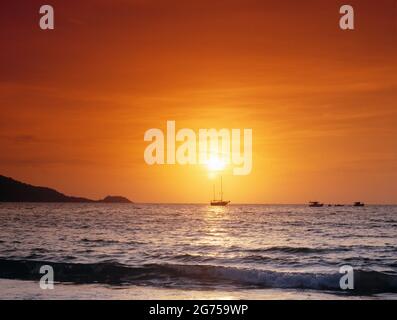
x: 264, y: 204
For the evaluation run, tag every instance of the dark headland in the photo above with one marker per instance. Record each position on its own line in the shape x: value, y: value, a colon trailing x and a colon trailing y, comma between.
x: 15, y: 191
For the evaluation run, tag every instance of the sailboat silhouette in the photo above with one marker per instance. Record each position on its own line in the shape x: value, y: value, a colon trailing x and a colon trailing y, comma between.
x: 221, y: 202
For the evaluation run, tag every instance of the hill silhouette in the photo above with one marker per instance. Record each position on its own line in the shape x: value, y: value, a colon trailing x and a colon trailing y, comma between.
x: 15, y: 191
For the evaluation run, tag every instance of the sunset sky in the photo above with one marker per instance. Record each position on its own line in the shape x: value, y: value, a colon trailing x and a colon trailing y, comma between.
x: 75, y: 102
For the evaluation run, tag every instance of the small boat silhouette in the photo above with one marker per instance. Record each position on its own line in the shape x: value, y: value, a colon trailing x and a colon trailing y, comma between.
x: 221, y: 202
x: 316, y: 204
x: 358, y: 204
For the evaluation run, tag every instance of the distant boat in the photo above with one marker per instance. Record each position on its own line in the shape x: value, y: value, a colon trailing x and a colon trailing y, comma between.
x: 358, y: 204
x: 221, y: 202
x: 316, y: 204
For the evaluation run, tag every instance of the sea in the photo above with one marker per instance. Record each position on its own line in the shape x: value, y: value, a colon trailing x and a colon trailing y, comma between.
x: 177, y: 251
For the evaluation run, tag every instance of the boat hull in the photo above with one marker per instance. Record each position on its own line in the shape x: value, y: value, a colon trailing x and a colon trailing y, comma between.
x: 316, y: 204
x: 219, y: 203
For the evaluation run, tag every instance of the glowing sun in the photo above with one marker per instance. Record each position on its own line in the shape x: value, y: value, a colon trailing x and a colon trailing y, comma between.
x: 214, y: 163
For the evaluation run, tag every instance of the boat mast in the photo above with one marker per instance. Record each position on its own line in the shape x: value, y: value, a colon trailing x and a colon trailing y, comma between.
x: 221, y: 190
x: 214, y: 192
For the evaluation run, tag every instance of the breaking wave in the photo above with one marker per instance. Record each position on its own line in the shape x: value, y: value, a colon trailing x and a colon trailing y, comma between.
x: 112, y: 273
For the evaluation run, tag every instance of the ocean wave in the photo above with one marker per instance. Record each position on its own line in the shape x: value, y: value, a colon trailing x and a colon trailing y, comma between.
x: 189, y: 258
x: 113, y: 273
x: 106, y: 242
x: 99, y: 241
x: 311, y: 250
x: 303, y: 250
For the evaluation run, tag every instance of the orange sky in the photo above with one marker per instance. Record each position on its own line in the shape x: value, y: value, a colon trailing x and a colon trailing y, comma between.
x: 75, y: 102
